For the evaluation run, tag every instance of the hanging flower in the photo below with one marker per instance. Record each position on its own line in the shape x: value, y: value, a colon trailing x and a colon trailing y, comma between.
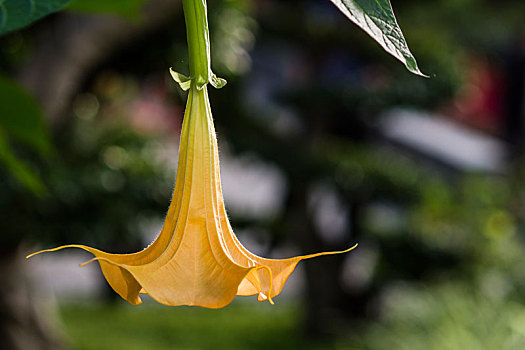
x: 196, y: 259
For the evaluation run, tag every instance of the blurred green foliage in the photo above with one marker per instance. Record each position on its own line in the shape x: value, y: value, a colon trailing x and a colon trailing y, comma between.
x: 441, y: 316
x: 238, y: 326
x: 20, y: 170
x: 22, y: 120
x: 445, y: 316
x: 20, y: 116
x: 130, y: 9
x: 105, y: 182
x: 473, y: 221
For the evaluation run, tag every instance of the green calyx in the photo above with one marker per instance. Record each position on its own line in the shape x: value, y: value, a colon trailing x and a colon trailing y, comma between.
x: 185, y: 81
x: 195, y: 15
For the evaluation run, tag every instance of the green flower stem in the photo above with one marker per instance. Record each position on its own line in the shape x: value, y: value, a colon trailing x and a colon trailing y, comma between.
x: 196, y: 17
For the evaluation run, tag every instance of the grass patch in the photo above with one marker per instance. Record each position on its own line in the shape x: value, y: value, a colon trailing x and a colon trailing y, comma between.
x: 241, y: 325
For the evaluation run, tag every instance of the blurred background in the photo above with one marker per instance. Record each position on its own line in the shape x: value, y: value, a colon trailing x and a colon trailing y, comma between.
x: 325, y: 141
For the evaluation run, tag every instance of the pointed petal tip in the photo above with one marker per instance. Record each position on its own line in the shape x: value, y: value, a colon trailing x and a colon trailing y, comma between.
x: 44, y: 251
x: 40, y: 252
x: 86, y: 248
x: 88, y: 262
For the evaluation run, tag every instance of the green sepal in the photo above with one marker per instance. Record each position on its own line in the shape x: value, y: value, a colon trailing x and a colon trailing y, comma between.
x: 200, y: 82
x: 183, y: 81
x: 217, y: 82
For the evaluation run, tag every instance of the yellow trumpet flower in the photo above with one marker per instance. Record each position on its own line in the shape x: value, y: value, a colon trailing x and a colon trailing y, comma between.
x: 196, y: 259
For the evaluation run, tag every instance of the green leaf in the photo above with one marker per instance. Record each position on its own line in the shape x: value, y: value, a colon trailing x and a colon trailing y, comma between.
x: 20, y: 116
x: 377, y: 19
x: 21, y: 171
x: 125, y: 8
x: 16, y: 14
